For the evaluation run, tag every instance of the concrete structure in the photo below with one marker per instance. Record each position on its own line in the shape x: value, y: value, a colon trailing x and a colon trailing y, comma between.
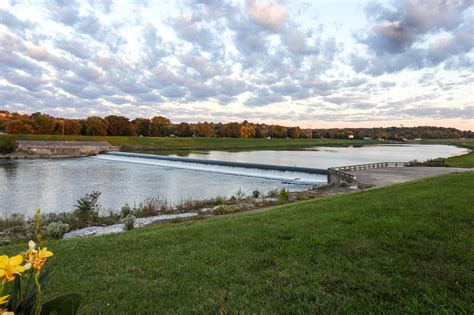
x: 380, y: 177
x: 62, y: 148
x: 385, y: 173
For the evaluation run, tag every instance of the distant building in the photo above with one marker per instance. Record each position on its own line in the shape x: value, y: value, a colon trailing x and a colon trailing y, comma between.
x: 350, y: 137
x: 367, y: 138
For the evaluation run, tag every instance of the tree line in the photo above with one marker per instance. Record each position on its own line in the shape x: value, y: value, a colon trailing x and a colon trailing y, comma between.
x: 159, y: 126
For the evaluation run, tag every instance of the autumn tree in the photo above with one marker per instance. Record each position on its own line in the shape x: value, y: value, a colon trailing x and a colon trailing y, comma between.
x: 118, y: 125
x: 184, y: 130
x: 142, y: 126
x: 160, y: 126
x: 20, y: 127
x: 96, y: 126
x: 294, y: 132
x: 45, y: 124
x: 203, y: 130
x: 72, y: 127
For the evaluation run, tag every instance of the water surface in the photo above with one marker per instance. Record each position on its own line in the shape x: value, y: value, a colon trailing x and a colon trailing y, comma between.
x: 55, y: 185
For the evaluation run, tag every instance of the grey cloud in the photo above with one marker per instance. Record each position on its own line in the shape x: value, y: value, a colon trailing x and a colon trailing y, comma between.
x: 12, y: 22
x: 398, y: 28
x: 64, y: 11
x: 76, y: 48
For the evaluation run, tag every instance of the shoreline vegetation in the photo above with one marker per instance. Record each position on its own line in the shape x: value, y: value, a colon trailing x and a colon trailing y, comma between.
x: 89, y: 213
x: 405, y: 248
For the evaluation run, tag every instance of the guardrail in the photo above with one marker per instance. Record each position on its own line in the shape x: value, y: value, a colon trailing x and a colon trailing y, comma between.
x: 336, y: 174
x: 360, y: 167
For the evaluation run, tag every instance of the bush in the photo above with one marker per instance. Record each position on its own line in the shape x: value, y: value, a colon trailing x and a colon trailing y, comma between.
x: 129, y: 222
x: 57, y: 229
x: 88, y: 208
x: 7, y: 144
x: 256, y: 193
x: 273, y: 193
x: 283, y: 196
x: 125, y: 211
x: 4, y: 239
x: 239, y: 195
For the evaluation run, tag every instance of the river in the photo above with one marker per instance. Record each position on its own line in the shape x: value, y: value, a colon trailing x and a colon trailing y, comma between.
x: 55, y: 185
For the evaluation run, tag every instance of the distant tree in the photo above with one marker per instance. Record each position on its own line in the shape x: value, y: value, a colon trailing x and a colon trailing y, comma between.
x: 261, y: 131
x: 294, y: 132
x: 118, y: 126
x: 247, y: 131
x: 160, y: 126
x: 142, y: 126
x: 20, y: 127
x: 72, y: 127
x: 203, y: 130
x: 279, y: 131
x: 96, y: 126
x: 45, y: 124
x: 184, y: 130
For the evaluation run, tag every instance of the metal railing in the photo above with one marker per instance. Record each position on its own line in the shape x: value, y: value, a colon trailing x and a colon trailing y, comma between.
x: 341, y: 171
x: 361, y: 167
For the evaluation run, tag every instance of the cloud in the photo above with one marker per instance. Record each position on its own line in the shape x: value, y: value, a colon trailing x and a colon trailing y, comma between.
x: 400, y: 37
x: 267, y: 14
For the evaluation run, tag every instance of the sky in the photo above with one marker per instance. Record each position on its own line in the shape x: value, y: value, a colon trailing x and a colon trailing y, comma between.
x: 313, y: 64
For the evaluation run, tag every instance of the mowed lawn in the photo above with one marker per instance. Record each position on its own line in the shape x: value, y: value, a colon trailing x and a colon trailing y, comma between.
x: 197, y: 143
x: 402, y: 249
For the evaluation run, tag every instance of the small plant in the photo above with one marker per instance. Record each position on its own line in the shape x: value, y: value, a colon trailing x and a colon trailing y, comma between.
x: 129, y: 222
x: 7, y: 144
x: 220, y: 210
x: 239, y: 195
x: 283, y: 195
x: 343, y: 183
x: 88, y: 208
x: 273, y: 193
x: 256, y: 193
x: 4, y: 239
x: 125, y: 210
x: 57, y: 229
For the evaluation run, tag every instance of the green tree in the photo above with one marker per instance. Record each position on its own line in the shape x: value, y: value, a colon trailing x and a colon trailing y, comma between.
x: 96, y: 126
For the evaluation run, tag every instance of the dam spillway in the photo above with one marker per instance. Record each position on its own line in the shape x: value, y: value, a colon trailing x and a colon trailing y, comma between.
x: 286, y: 174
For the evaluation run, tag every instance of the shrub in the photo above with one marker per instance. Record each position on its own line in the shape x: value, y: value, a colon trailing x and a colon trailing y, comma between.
x: 7, y: 144
x: 283, y: 195
x: 220, y: 210
x: 88, y: 208
x: 239, y: 195
x: 57, y: 229
x: 129, y: 222
x: 273, y: 193
x: 256, y: 193
x: 125, y: 211
x: 4, y: 239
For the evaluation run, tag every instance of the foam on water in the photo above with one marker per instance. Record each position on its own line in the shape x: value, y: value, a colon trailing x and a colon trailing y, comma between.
x: 287, y: 177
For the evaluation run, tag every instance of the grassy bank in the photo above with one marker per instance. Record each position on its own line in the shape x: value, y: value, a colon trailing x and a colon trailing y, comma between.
x: 466, y: 160
x: 401, y: 249
x: 160, y: 143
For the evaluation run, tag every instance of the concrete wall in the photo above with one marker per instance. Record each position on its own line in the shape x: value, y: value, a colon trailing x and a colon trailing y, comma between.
x: 63, y: 148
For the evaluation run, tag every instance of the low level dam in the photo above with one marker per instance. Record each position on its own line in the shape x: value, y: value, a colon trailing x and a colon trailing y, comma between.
x: 62, y: 148
x: 288, y: 174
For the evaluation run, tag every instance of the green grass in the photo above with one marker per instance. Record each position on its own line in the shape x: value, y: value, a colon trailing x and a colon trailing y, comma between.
x: 402, y: 249
x: 195, y: 143
x: 466, y: 160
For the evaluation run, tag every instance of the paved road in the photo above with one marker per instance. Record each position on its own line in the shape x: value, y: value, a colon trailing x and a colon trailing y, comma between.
x: 392, y: 175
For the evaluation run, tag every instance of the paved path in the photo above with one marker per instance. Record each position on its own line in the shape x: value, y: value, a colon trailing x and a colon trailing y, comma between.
x: 380, y: 177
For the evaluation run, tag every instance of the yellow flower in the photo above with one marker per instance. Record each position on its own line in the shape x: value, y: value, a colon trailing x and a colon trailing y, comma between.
x: 3, y: 312
x: 4, y: 299
x: 44, y: 253
x: 11, y: 267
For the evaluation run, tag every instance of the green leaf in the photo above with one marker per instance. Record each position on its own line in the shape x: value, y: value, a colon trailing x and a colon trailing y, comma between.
x: 63, y: 305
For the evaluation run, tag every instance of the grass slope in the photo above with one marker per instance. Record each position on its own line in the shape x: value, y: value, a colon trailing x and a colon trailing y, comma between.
x: 401, y: 249
x: 196, y: 143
